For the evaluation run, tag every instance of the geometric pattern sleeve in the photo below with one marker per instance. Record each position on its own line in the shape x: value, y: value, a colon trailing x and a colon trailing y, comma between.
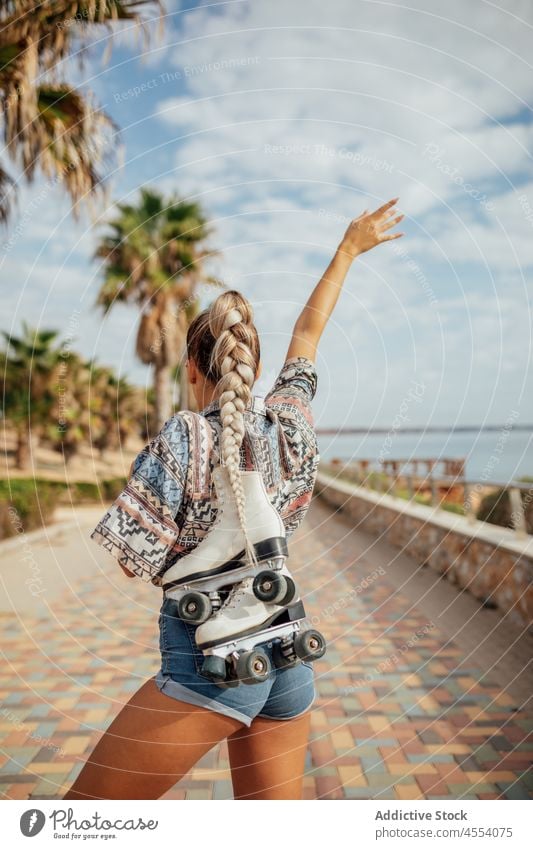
x: 290, y: 397
x: 289, y: 401
x: 297, y: 378
x: 139, y: 527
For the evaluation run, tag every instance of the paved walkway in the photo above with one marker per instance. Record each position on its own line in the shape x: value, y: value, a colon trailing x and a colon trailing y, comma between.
x: 423, y: 693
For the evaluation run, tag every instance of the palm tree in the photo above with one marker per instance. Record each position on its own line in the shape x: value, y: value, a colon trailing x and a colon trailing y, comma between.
x: 91, y: 406
x: 68, y: 425
x: 48, y: 124
x: 153, y: 258
x: 130, y: 404
x: 116, y: 408
x: 179, y: 375
x: 29, y: 366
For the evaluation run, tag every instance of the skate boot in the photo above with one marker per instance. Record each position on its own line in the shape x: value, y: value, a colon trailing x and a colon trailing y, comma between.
x: 230, y: 640
x: 200, y: 581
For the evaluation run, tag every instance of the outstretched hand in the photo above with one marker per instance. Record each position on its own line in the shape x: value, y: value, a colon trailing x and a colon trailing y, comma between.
x: 370, y: 229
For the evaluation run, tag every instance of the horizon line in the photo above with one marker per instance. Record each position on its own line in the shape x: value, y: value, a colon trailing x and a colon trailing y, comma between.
x: 421, y: 429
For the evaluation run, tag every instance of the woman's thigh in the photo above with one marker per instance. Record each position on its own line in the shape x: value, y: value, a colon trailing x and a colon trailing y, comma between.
x: 267, y: 759
x: 150, y: 745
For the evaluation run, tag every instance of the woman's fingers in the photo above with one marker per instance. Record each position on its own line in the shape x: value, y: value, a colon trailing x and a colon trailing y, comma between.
x: 389, y: 214
x: 391, y: 222
x: 368, y: 229
x: 391, y: 236
x: 382, y: 209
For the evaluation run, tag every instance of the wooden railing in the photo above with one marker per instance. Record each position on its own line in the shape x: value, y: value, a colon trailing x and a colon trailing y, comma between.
x: 442, y: 476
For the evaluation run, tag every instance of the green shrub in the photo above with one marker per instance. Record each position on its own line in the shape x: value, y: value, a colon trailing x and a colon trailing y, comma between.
x: 452, y: 507
x: 496, y: 508
x: 377, y: 480
x: 26, y: 504
x: 29, y: 503
x: 112, y: 487
x: 82, y: 492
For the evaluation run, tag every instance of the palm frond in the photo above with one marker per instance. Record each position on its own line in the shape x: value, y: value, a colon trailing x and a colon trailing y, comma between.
x: 50, y: 125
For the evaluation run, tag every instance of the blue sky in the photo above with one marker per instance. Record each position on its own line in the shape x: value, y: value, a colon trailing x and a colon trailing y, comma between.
x: 287, y: 119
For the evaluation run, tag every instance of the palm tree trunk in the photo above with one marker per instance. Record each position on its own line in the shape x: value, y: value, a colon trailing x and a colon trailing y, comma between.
x: 23, y: 448
x: 163, y: 402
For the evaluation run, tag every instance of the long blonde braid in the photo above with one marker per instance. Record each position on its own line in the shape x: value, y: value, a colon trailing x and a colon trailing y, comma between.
x: 231, y: 325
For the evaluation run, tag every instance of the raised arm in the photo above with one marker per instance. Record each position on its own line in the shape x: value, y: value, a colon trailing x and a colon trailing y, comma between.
x: 363, y: 233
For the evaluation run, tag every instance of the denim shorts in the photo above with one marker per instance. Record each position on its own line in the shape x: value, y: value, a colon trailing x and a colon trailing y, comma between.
x: 285, y: 694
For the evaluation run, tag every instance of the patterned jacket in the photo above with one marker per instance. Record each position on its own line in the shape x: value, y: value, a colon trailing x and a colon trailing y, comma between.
x: 166, y: 507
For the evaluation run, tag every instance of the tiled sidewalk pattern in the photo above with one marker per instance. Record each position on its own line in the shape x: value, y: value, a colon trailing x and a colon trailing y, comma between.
x: 401, y: 714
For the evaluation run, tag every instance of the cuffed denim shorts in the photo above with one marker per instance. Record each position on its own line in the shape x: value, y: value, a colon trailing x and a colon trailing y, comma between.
x: 285, y: 694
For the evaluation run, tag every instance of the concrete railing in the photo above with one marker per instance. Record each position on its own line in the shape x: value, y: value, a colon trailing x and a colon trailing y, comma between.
x: 360, y: 472
x: 492, y: 563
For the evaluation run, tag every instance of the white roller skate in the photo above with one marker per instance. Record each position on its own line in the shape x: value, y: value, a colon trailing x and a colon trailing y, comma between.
x: 201, y: 580
x: 230, y: 640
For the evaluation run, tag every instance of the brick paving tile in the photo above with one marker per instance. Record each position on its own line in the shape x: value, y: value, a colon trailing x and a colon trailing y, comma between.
x: 223, y: 789
x: 322, y: 752
x: 413, y: 769
x: 483, y: 787
x: 328, y: 787
x: 431, y: 785
x: 392, y: 755
x: 19, y: 791
x: 461, y: 790
x: 468, y: 763
x: 23, y: 778
x: 451, y: 772
x: 175, y: 793
x: 434, y: 759
x: 198, y: 794
x: 352, y: 776
x: 495, y: 775
x: 514, y: 790
x: 408, y: 791
x: 429, y: 721
x: 527, y: 778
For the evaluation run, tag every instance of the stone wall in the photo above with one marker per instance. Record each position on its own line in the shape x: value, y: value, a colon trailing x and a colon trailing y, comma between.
x: 491, y: 562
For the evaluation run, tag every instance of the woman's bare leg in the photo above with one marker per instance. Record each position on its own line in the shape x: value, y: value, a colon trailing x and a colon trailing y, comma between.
x: 267, y: 759
x: 152, y: 743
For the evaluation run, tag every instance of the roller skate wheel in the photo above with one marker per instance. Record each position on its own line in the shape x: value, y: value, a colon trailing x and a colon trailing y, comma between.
x: 309, y: 645
x: 291, y: 591
x: 253, y: 667
x: 194, y: 607
x: 214, y: 668
x: 283, y: 660
x: 270, y: 586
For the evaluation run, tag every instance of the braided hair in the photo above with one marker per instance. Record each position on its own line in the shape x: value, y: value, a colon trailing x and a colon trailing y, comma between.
x: 224, y: 343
